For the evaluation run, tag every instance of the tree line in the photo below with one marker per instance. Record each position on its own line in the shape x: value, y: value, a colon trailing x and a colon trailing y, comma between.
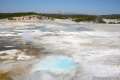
x: 74, y: 17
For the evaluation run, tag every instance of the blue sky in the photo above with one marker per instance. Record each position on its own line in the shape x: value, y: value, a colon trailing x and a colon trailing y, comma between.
x: 67, y: 6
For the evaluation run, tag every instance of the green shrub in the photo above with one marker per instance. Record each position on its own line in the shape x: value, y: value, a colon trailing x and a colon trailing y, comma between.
x: 111, y: 23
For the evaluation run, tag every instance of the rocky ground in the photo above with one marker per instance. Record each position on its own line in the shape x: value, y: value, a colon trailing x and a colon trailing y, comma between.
x: 59, y: 50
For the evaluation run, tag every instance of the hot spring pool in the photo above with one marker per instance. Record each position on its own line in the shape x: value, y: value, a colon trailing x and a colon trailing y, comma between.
x: 55, y: 64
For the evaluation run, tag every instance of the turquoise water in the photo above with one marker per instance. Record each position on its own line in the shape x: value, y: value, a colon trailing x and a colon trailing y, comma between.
x: 55, y: 64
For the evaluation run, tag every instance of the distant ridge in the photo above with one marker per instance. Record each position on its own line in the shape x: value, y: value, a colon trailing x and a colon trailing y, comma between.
x: 74, y: 17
